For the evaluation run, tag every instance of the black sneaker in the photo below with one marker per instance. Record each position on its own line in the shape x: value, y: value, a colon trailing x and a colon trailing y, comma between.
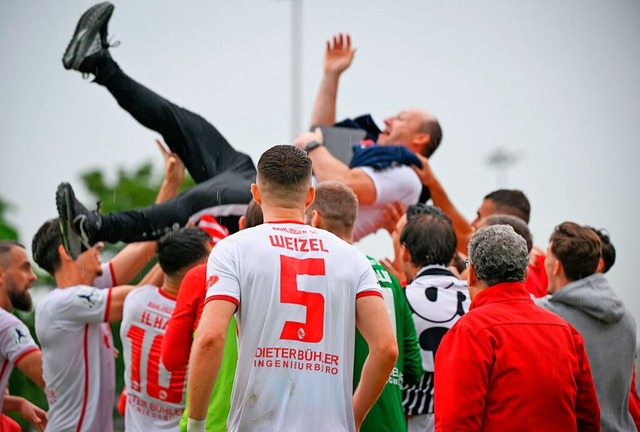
x: 89, y: 41
x: 77, y: 223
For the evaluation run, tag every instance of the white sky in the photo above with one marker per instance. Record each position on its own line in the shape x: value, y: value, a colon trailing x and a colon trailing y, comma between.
x: 555, y: 81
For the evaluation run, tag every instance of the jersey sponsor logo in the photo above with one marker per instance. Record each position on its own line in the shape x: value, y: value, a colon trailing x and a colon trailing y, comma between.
x: 212, y: 280
x: 86, y: 297
x: 20, y: 335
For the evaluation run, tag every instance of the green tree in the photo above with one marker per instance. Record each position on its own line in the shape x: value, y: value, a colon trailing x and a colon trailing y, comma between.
x: 131, y: 189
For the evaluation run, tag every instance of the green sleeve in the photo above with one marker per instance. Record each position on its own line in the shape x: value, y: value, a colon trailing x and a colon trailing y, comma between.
x: 412, y: 359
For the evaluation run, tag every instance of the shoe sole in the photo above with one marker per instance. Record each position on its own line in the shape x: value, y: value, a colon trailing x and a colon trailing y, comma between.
x: 88, y: 27
x: 71, y: 241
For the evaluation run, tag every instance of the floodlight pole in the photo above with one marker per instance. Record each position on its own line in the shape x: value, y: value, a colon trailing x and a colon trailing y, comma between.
x: 296, y: 68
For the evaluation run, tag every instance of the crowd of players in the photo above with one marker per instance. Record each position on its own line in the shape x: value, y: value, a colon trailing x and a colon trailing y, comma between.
x: 262, y: 315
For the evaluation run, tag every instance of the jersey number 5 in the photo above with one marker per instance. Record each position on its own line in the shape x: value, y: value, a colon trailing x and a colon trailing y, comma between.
x: 172, y: 393
x: 312, y: 330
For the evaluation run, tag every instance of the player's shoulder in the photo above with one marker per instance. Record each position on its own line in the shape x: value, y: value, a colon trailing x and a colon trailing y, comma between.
x: 7, y: 319
x: 143, y: 292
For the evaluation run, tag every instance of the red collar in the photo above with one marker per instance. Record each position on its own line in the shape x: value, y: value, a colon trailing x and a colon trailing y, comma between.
x: 505, y: 291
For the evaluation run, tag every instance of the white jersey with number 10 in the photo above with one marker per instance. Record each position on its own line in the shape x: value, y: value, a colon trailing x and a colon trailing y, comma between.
x: 155, y: 397
x: 296, y: 289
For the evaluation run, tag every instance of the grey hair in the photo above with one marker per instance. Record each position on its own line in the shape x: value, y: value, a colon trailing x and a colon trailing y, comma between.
x: 498, y: 254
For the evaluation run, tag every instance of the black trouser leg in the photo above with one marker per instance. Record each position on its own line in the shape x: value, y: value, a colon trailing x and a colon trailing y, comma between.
x: 152, y: 222
x: 204, y: 151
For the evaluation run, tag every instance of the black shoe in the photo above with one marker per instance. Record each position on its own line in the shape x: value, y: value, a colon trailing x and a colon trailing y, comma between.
x: 89, y: 41
x: 78, y: 224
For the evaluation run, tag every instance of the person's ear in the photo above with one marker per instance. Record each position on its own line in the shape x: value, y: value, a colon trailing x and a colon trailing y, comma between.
x: 311, y: 196
x: 64, y: 256
x: 255, y: 192
x: 404, y: 253
x: 242, y: 223
x: 600, y: 268
x: 316, y: 219
x: 420, y: 141
x: 557, y: 268
x: 472, y: 277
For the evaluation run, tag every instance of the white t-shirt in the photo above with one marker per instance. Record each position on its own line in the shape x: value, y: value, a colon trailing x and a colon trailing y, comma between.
x: 78, y: 356
x: 15, y: 343
x: 296, y: 289
x: 155, y: 397
x: 398, y: 183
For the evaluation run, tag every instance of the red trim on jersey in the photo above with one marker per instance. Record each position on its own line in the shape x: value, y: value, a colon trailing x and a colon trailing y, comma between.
x: 165, y: 294
x: 286, y: 221
x: 86, y: 376
x: 368, y: 293
x: 222, y: 297
x: 106, y: 310
x: 4, y: 367
x: 113, y: 274
x: 24, y: 354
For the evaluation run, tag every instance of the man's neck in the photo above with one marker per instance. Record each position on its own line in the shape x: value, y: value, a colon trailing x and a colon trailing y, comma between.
x: 279, y: 214
x: 71, y: 276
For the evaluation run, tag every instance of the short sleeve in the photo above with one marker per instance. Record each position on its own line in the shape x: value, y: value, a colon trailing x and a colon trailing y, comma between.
x: 15, y: 339
x: 368, y: 283
x: 85, y: 304
x: 107, y: 278
x: 395, y: 184
x: 222, y: 276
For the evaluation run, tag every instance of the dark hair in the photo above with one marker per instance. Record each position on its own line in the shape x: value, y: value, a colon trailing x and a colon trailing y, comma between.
x: 284, y: 172
x: 518, y: 225
x: 431, y: 127
x: 44, y: 246
x: 420, y: 209
x: 5, y: 248
x: 577, y: 248
x: 498, y: 254
x: 608, y: 251
x: 338, y: 206
x: 253, y: 216
x: 182, y: 248
x: 512, y: 202
x: 430, y: 239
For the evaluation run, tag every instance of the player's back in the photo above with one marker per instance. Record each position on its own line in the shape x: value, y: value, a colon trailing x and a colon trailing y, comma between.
x: 296, y: 287
x: 155, y: 397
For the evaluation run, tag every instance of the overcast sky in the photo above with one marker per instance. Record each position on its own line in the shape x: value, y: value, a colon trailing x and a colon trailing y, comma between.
x: 555, y: 82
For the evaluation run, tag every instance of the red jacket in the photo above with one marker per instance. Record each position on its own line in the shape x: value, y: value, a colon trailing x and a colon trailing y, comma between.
x: 509, y: 365
x: 178, y: 336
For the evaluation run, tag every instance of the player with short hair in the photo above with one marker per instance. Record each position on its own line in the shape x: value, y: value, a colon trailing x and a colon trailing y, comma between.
x: 298, y: 293
x: 17, y: 347
x: 155, y: 396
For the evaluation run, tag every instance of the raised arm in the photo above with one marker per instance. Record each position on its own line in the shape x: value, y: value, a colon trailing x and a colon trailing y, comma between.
x: 327, y: 167
x: 132, y: 259
x: 461, y: 225
x: 337, y: 59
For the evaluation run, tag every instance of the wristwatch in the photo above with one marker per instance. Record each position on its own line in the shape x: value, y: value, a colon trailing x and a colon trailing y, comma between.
x: 311, y: 146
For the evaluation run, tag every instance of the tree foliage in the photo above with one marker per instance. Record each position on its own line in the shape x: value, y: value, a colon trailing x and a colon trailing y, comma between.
x: 129, y: 190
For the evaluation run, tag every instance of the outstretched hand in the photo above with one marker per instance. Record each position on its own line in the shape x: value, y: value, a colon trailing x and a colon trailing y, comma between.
x: 173, y: 165
x: 339, y: 54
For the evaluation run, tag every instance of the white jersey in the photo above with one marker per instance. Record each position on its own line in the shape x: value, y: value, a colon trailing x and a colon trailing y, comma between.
x: 155, y: 397
x: 78, y: 356
x: 15, y: 343
x: 296, y: 289
x: 397, y: 183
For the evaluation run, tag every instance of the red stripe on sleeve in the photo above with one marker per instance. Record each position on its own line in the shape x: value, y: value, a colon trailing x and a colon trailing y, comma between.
x: 368, y: 293
x: 24, y: 354
x: 223, y: 297
x: 113, y: 274
x: 106, y: 311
